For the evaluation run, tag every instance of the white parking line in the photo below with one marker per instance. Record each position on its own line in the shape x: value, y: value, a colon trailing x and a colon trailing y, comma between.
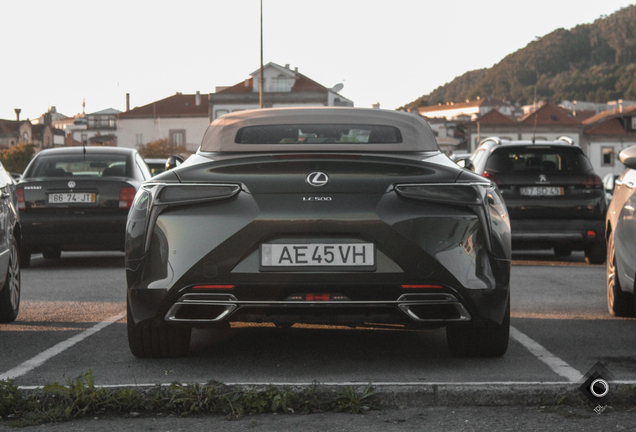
x: 556, y: 364
x: 39, y: 359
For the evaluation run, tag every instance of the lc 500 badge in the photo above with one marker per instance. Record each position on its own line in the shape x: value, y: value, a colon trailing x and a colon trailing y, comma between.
x: 316, y: 198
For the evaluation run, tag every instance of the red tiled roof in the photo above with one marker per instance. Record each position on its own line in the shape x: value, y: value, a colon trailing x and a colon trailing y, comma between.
x: 240, y: 87
x: 550, y: 114
x: 305, y: 84
x: 8, y: 127
x: 302, y: 84
x: 610, y: 113
x: 178, y: 105
x: 494, y: 117
x: 598, y: 117
x: 609, y: 127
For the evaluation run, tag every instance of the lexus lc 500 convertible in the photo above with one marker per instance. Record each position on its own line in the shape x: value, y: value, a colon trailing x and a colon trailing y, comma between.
x: 318, y: 216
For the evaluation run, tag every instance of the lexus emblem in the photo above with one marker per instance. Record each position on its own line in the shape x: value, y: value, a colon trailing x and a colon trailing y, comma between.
x: 317, y: 179
x: 542, y: 178
x: 71, y: 184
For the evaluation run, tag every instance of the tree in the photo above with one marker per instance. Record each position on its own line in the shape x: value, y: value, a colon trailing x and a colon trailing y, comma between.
x: 15, y: 159
x: 162, y: 148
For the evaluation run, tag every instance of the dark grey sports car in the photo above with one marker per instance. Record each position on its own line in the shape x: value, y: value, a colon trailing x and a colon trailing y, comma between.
x: 318, y: 215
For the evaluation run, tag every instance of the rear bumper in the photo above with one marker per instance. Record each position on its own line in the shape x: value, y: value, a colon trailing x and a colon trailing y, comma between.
x: 363, y: 303
x: 74, y: 232
x: 546, y: 233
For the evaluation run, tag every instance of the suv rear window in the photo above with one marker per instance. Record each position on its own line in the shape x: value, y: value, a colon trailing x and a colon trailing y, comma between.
x: 96, y: 165
x: 538, y: 159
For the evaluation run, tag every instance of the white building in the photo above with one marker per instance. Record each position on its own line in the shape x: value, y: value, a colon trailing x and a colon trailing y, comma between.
x: 282, y: 87
x: 181, y: 118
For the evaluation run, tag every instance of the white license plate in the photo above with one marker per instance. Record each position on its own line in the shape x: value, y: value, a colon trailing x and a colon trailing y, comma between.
x: 318, y: 255
x: 74, y: 197
x: 541, y: 191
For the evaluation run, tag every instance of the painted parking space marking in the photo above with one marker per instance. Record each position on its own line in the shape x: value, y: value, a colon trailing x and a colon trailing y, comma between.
x: 41, y: 358
x: 559, y: 366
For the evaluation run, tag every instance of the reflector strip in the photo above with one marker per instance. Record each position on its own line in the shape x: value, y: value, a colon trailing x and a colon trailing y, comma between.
x: 317, y: 297
x: 420, y: 286
x: 317, y: 156
x: 591, y: 233
x: 213, y: 287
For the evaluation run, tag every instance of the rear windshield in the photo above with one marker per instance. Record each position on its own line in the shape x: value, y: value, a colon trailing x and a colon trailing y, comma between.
x: 538, y: 159
x: 96, y: 165
x: 318, y: 134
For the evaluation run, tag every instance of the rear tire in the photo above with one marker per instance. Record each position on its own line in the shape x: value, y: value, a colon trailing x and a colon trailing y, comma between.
x: 619, y: 303
x: 596, y: 253
x: 151, y: 340
x: 480, y: 341
x: 10, y: 294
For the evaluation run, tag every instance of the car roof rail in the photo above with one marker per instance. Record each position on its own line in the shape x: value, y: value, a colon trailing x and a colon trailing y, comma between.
x: 494, y: 139
x: 567, y: 139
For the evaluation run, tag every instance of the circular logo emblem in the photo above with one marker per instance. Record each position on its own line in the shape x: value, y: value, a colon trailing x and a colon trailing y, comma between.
x: 71, y: 184
x: 317, y: 179
x: 599, y: 388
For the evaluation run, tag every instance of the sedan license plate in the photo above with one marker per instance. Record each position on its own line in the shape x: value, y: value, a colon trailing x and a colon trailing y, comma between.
x: 350, y: 256
x: 541, y: 191
x: 72, y: 198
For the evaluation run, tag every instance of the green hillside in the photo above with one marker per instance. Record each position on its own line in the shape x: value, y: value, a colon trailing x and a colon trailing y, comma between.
x: 591, y: 62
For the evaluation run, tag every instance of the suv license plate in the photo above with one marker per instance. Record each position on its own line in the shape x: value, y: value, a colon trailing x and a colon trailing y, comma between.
x: 65, y: 198
x: 316, y: 255
x: 541, y: 191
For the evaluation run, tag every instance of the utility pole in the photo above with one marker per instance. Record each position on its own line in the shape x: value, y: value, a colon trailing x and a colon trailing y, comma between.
x: 260, y: 75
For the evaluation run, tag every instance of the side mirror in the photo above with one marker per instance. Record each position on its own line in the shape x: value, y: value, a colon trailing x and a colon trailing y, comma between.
x: 466, y: 163
x: 173, y: 162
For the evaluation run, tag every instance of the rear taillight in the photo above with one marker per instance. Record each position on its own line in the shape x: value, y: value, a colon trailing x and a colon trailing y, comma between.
x: 592, y: 182
x: 490, y: 176
x: 21, y: 202
x: 126, y: 196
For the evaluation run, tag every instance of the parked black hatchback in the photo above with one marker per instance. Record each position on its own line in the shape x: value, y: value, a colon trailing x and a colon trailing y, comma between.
x: 554, y: 198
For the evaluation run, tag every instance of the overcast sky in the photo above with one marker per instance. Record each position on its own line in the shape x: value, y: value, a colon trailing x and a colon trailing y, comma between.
x: 391, y: 52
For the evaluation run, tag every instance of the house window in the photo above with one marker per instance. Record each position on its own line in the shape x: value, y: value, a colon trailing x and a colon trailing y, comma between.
x: 219, y: 113
x: 177, y: 136
x: 607, y: 156
x: 280, y: 84
x: 634, y: 123
x: 139, y: 139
